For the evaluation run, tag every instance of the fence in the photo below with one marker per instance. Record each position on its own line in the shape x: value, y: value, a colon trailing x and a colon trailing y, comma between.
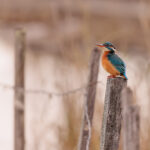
x: 118, y: 104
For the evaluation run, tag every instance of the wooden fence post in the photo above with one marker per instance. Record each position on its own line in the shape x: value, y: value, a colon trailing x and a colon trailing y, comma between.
x: 19, y: 135
x: 131, y: 122
x: 84, y: 140
x: 111, y: 125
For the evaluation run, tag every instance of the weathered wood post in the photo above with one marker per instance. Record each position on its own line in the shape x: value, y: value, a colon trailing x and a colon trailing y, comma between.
x: 111, y: 125
x: 19, y: 135
x: 84, y: 140
x: 131, y: 122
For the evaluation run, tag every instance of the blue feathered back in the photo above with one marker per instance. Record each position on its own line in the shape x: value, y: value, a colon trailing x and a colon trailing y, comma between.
x: 118, y: 63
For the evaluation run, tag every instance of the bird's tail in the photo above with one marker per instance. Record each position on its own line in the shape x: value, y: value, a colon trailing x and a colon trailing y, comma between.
x: 124, y: 76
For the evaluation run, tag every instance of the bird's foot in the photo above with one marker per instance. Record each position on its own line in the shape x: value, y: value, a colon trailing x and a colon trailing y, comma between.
x: 111, y: 76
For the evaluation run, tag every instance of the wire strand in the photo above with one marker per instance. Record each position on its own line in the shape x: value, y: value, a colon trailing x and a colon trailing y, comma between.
x: 46, y: 92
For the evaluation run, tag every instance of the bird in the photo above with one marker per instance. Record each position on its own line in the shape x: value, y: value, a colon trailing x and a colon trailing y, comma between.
x: 111, y: 62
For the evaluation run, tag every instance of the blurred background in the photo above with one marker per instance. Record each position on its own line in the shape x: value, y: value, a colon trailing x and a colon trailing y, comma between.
x: 60, y: 35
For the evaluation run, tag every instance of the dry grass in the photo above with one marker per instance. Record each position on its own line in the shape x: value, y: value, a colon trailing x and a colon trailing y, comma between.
x: 69, y: 37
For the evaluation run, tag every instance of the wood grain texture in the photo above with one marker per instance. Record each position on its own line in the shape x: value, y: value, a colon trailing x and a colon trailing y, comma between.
x: 19, y: 135
x: 89, y: 101
x: 111, y: 125
x: 131, y: 122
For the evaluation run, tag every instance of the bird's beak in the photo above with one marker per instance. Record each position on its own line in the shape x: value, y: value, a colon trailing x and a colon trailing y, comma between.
x: 100, y: 45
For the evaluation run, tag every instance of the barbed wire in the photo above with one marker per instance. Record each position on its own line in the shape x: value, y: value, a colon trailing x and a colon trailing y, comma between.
x: 46, y: 92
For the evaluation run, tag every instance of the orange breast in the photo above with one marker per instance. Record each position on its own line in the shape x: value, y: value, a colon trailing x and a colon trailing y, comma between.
x: 108, y: 66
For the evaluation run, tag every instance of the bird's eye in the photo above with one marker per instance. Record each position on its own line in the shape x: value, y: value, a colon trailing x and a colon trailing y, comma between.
x: 113, y: 47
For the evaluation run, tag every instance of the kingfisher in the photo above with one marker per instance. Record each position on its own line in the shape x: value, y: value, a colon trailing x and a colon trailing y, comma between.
x: 111, y: 62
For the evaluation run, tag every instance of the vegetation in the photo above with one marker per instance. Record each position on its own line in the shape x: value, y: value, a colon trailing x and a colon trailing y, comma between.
x: 66, y: 32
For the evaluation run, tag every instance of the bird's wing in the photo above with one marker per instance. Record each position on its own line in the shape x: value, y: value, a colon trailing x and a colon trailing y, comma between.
x: 117, y: 62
